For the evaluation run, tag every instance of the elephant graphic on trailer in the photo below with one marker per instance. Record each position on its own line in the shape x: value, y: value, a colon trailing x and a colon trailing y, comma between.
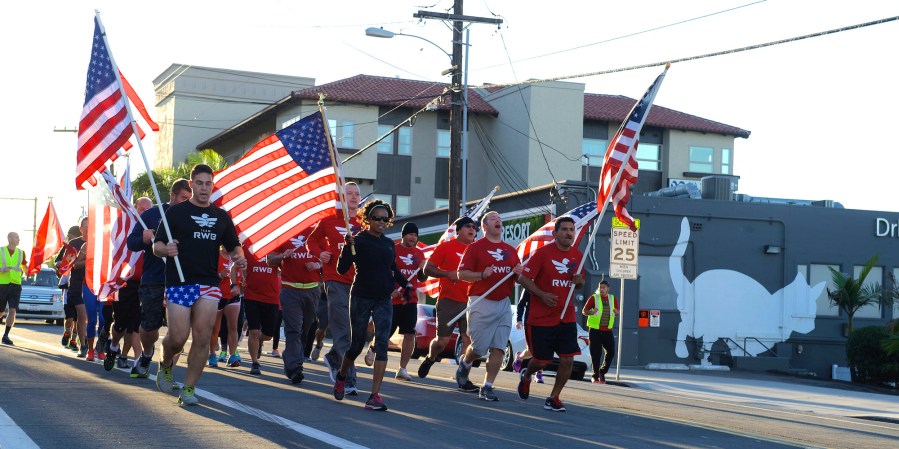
x: 726, y: 303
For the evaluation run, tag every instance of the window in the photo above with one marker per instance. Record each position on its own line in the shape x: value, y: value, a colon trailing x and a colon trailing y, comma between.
x: 332, y: 125
x: 875, y: 276
x: 701, y: 159
x: 895, y: 303
x: 649, y: 156
x: 399, y: 142
x: 385, y: 198
x: 347, y: 135
x: 821, y: 273
x: 441, y: 203
x: 594, y: 150
x: 401, y: 204
x: 291, y: 121
x: 725, y: 161
x: 443, y: 143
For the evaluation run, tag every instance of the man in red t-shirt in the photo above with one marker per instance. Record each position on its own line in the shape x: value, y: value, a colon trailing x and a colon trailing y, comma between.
x: 488, y: 263
x: 548, y: 276
x: 300, y: 292
x: 262, y: 291
x: 325, y: 243
x: 444, y: 265
x: 410, y: 260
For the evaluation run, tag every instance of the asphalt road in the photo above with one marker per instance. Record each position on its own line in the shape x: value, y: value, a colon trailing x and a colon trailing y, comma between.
x: 59, y: 401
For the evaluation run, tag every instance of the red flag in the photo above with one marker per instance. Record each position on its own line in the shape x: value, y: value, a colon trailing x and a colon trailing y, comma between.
x: 615, y: 181
x: 105, y: 125
x: 283, y: 185
x: 139, y: 105
x: 48, y: 241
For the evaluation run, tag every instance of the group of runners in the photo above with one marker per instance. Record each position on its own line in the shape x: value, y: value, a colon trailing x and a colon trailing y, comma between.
x: 342, y: 275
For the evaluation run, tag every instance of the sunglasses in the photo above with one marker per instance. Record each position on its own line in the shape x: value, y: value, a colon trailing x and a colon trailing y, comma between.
x: 381, y: 219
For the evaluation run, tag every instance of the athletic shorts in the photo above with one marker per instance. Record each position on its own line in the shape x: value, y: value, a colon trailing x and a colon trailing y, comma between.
x: 126, y: 310
x: 489, y: 325
x: 228, y: 301
x: 447, y: 309
x: 74, y: 297
x: 70, y: 311
x: 189, y: 294
x: 262, y: 316
x: 9, y: 296
x: 404, y: 318
x: 544, y: 341
x: 152, y: 310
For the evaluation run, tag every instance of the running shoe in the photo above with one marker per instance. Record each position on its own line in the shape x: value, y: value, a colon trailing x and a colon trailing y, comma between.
x: 164, y: 378
x: 524, y: 385
x: 223, y: 356
x: 487, y: 394
x: 65, y: 339
x: 316, y: 352
x: 213, y: 360
x: 234, y: 360
x: 402, y: 374
x: 351, y: 390
x: 110, y: 358
x: 339, y: 389
x: 370, y: 357
x: 554, y: 404
x: 602, y: 378
x: 375, y: 403
x: 425, y: 367
x: 73, y: 345
x: 469, y: 387
x: 297, y: 377
x: 255, y: 370
x: 102, y: 342
x: 122, y: 362
x: 101, y: 356
x: 331, y: 371
x: 516, y: 365
x: 462, y: 375
x: 90, y: 355
x: 539, y: 377
x: 7, y: 341
x: 142, y: 366
x: 276, y: 353
x: 82, y: 353
x: 187, y: 396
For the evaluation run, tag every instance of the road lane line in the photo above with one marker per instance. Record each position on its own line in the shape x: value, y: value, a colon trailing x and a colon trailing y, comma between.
x: 11, y: 435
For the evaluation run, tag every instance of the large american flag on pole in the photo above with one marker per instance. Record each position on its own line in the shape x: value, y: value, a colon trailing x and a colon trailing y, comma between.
x: 283, y: 185
x: 105, y: 125
x: 582, y: 215
x: 615, y: 182
x: 110, y: 219
x: 431, y: 286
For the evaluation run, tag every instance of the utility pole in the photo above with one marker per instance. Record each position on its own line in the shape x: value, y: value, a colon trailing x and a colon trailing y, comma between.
x: 458, y: 102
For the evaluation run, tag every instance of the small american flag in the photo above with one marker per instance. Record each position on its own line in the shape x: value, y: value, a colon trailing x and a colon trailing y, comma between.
x: 582, y: 216
x: 283, y: 185
x: 622, y: 152
x: 105, y: 125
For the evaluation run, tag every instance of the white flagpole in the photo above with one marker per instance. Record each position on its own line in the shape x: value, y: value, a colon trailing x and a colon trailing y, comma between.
x: 335, y: 162
x: 140, y: 145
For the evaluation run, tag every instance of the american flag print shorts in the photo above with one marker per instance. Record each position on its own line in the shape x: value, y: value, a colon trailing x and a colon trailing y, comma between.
x: 187, y: 295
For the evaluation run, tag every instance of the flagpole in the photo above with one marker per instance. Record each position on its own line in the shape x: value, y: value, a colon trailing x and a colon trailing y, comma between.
x: 624, y: 163
x: 479, y: 298
x: 335, y: 162
x: 140, y: 145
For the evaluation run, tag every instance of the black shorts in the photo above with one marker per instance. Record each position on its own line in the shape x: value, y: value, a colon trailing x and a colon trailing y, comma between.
x: 404, y: 318
x: 152, y: 309
x: 560, y: 339
x: 9, y: 296
x: 228, y: 301
x: 126, y: 310
x: 71, y: 313
x: 262, y: 316
x: 74, y: 296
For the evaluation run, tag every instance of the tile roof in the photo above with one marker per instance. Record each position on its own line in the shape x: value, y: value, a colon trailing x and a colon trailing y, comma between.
x: 384, y: 91
x: 614, y: 108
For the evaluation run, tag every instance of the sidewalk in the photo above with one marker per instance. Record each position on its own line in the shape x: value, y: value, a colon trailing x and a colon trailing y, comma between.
x: 767, y: 390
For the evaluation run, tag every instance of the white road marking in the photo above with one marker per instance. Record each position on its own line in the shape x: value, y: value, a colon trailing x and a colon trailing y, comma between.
x: 11, y: 435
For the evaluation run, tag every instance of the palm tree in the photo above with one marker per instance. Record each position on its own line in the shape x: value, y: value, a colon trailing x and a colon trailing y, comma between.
x: 167, y: 176
x: 852, y: 294
x: 891, y: 344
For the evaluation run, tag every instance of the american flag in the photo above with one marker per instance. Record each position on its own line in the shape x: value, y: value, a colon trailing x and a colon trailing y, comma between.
x: 431, y: 286
x: 622, y: 151
x: 105, y: 125
x: 283, y: 185
x: 48, y: 241
x: 110, y: 219
x: 582, y: 216
x: 139, y: 105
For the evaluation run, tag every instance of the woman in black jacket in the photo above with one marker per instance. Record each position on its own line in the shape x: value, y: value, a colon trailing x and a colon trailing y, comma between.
x: 376, y: 276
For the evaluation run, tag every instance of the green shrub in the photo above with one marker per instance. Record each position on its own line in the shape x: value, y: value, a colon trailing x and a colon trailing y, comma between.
x: 868, y: 362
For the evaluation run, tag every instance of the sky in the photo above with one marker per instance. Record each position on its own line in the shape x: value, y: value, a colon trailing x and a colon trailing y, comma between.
x: 816, y: 108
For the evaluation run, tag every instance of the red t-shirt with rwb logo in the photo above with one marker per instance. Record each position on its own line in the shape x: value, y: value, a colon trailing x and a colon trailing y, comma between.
x: 225, y: 282
x: 446, y: 257
x: 408, y: 260
x: 501, y: 256
x: 328, y: 235
x: 551, y: 270
x: 293, y: 267
x: 263, y: 281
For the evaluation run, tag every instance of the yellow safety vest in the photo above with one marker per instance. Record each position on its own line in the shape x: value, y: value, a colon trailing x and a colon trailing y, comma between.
x: 593, y: 320
x: 14, y: 263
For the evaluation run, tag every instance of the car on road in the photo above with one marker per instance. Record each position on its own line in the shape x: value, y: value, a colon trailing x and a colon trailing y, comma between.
x: 425, y: 331
x: 41, y: 298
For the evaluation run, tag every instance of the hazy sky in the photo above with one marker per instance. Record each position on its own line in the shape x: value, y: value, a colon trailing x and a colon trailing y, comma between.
x: 815, y: 107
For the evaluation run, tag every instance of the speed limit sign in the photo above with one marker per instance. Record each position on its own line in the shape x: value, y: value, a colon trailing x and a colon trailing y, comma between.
x: 624, y: 250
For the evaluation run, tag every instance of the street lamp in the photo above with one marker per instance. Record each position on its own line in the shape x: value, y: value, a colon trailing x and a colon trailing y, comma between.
x: 457, y: 193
